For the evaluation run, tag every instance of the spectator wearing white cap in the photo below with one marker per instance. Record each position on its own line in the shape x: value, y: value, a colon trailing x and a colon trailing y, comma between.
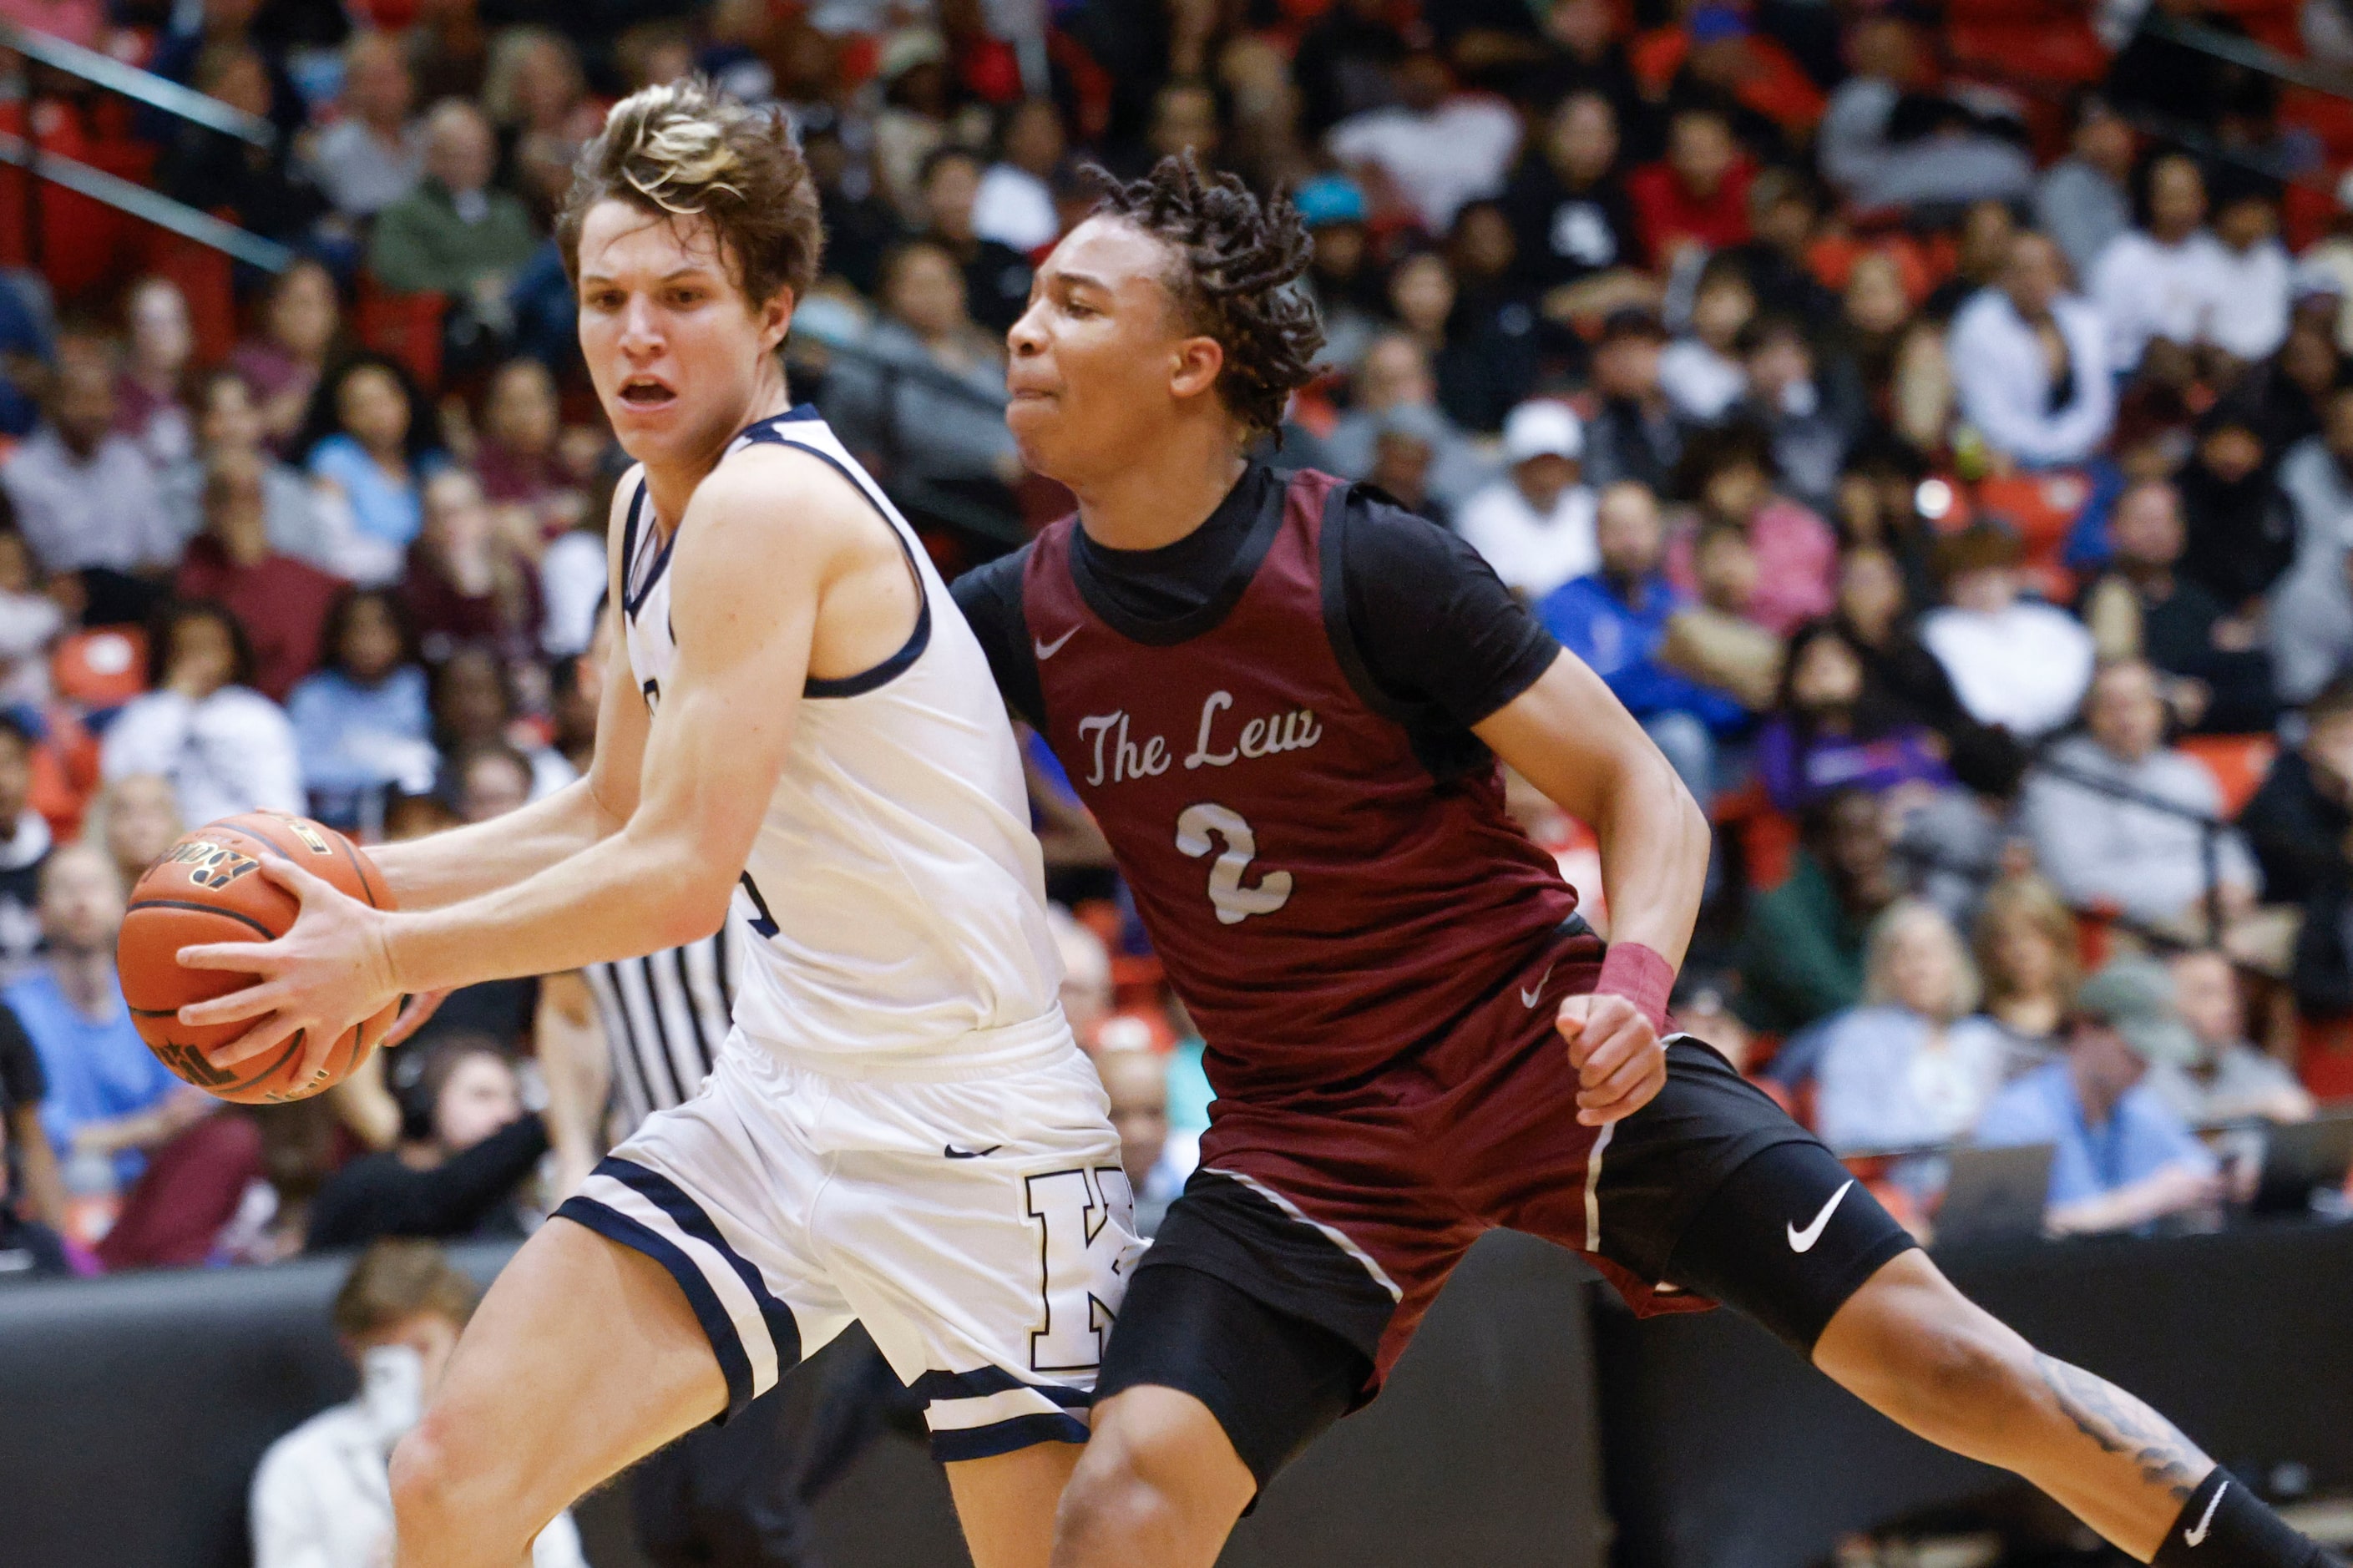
x: 1535, y: 525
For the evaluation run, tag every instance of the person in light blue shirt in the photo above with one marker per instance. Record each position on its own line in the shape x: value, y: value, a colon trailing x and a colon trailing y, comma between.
x: 2124, y: 1158
x: 363, y: 723
x: 108, y: 1096
x: 370, y: 442
x: 1911, y: 1066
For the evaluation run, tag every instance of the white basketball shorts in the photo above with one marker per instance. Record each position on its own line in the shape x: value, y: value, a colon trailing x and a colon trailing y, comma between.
x: 981, y: 1229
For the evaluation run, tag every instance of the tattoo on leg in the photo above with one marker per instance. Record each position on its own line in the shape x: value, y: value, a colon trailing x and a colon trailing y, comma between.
x: 2121, y: 1424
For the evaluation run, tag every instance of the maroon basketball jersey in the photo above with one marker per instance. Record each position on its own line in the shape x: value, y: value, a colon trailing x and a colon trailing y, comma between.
x: 1324, y: 905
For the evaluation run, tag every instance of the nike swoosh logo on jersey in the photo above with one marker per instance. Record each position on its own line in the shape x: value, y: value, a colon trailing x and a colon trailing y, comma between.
x: 953, y: 1152
x: 1529, y: 998
x: 1802, y: 1241
x: 1048, y: 650
x: 2197, y: 1537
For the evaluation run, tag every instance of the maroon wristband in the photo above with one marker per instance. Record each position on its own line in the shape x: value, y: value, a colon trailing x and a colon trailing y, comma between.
x: 1642, y: 977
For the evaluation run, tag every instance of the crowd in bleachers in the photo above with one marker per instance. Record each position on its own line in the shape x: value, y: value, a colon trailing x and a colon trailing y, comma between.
x: 1934, y: 425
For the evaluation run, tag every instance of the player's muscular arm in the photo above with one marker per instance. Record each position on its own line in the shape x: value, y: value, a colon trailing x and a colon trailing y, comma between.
x: 445, y: 867
x: 760, y: 549
x: 1575, y: 742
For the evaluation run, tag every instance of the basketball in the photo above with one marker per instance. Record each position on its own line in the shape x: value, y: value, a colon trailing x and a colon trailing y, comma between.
x: 209, y: 888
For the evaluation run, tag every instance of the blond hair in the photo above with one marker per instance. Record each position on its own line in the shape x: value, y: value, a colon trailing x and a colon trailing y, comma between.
x: 2031, y: 901
x: 685, y: 149
x: 1879, y: 948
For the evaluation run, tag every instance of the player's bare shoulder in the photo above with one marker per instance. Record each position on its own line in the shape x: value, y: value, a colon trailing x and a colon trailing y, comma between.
x: 773, y: 496
x: 786, y: 525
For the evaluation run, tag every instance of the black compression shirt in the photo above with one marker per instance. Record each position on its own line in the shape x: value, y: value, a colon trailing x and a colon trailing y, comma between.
x: 1438, y: 632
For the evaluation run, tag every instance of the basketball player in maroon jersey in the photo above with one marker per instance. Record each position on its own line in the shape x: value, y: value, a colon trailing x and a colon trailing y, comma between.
x: 1283, y: 699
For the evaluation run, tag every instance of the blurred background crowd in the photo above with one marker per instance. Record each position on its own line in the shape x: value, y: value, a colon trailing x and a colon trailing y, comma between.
x: 1934, y: 423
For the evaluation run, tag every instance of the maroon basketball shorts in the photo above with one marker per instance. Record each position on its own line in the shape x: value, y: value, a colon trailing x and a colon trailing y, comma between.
x: 1302, y: 1255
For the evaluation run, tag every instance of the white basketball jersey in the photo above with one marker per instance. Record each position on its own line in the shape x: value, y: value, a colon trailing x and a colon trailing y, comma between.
x: 894, y: 901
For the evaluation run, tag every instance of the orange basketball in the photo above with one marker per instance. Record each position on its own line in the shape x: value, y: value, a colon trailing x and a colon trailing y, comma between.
x: 209, y: 888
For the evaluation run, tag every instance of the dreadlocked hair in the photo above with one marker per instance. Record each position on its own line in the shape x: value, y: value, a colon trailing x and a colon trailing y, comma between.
x: 1236, y: 258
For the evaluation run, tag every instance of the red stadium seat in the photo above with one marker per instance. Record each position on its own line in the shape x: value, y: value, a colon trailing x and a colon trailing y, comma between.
x: 2237, y: 762
x: 2043, y: 507
x: 2324, y: 1057
x: 1767, y: 839
x: 407, y: 326
x: 87, y: 247
x: 2057, y: 51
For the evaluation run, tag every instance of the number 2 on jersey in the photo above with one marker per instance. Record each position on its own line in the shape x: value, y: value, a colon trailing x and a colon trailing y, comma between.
x: 1196, y: 826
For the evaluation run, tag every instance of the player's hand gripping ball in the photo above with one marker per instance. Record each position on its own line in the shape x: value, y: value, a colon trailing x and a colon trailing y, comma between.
x: 209, y: 888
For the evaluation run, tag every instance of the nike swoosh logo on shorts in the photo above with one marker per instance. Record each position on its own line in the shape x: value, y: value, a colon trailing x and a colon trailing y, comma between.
x: 1530, y: 998
x: 953, y: 1152
x: 2197, y: 1537
x: 1802, y: 1241
x: 1048, y: 650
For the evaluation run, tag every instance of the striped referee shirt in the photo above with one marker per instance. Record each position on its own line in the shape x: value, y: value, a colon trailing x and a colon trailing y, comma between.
x: 665, y: 1015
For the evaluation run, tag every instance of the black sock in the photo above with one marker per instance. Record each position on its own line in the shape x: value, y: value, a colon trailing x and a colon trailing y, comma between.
x: 2224, y: 1525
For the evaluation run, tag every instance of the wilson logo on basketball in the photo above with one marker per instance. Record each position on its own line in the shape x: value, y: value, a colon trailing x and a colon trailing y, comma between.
x: 309, y: 835
x: 191, y: 1065
x: 212, y: 865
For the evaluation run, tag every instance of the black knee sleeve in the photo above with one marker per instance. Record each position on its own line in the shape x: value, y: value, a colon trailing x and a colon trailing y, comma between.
x: 1786, y: 1238
x: 1274, y: 1382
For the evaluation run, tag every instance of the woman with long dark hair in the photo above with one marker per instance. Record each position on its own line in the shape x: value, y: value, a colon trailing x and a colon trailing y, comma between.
x: 1834, y: 727
x: 361, y: 720
x: 370, y: 441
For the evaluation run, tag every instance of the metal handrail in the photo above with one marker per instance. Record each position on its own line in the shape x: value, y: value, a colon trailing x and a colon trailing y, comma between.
x: 2243, y: 51
x: 2211, y: 828
x: 153, y: 206
x: 146, y: 87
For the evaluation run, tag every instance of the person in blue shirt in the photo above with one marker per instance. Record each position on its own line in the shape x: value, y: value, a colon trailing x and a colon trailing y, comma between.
x: 362, y: 725
x: 1616, y: 621
x: 2124, y: 1158
x: 109, y: 1097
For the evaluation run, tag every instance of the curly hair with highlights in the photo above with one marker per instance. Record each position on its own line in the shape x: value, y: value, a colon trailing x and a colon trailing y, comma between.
x: 1236, y: 258
x: 686, y: 148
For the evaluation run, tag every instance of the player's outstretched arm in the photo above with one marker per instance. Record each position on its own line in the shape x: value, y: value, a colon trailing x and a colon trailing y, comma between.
x: 1573, y: 739
x: 760, y: 546
x: 445, y: 867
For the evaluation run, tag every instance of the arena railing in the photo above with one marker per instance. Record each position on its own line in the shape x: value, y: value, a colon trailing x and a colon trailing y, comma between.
x: 2249, y: 53
x: 2211, y: 828
x: 103, y: 71
x: 916, y: 493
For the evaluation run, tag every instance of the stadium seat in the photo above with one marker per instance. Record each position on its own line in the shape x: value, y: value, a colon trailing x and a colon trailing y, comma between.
x: 2237, y: 762
x: 85, y: 244
x: 100, y: 668
x: 1767, y: 839
x: 2324, y: 1057
x: 407, y: 327
x: 2060, y: 52
x: 2043, y: 508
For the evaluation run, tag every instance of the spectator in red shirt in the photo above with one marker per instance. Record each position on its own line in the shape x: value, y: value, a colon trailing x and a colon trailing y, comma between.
x: 281, y: 600
x: 518, y: 462
x: 1698, y: 194
x: 469, y: 579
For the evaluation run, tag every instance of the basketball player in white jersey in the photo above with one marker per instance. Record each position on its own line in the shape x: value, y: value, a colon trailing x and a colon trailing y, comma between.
x: 900, y: 1128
